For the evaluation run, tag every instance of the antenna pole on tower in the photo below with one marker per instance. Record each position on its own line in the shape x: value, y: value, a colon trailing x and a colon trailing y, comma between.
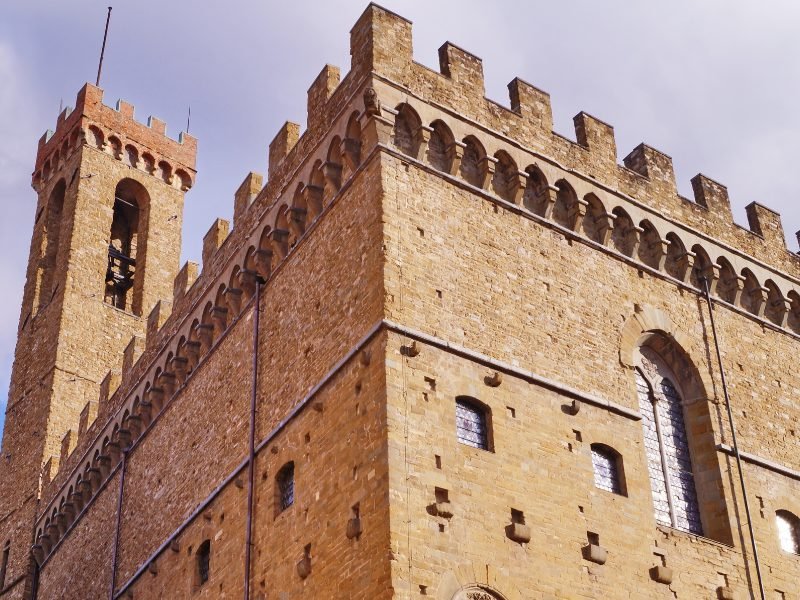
x: 103, y: 49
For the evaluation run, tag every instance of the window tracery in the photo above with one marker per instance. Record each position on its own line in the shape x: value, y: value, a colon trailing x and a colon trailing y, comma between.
x: 667, y: 446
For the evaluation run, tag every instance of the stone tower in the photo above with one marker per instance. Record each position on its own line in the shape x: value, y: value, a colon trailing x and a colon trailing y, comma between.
x: 105, y: 248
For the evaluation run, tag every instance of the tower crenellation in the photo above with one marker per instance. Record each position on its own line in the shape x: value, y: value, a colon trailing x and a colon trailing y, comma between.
x: 114, y: 130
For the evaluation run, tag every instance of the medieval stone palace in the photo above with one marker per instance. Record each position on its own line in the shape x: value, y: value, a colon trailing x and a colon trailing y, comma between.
x: 440, y: 352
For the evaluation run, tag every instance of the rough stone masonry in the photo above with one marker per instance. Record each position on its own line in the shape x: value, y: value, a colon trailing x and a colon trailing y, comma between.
x: 441, y: 352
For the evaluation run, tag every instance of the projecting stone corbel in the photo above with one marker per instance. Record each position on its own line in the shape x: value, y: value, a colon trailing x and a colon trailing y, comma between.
x: 493, y: 380
x: 455, y: 153
x: 661, y: 574
x: 550, y: 194
x: 595, y: 553
x: 313, y: 194
x: 411, y: 350
x: 711, y: 274
x: 486, y: 168
x: 518, y: 181
x: 686, y: 264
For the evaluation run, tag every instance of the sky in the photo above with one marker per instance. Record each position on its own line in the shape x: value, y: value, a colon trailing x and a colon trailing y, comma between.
x: 712, y: 83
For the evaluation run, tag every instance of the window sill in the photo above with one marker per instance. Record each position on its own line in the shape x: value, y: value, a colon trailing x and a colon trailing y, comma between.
x: 674, y: 532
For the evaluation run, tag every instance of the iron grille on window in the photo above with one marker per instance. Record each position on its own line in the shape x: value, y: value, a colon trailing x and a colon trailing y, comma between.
x: 668, y: 460
x: 286, y: 486
x: 788, y: 531
x: 471, y: 425
x: 606, y: 469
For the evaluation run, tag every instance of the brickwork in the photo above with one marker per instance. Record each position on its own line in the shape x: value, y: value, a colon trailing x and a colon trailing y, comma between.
x: 418, y: 243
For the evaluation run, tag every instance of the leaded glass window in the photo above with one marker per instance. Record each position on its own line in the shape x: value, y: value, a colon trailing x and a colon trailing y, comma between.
x: 285, y: 482
x: 471, y: 427
x: 788, y: 531
x: 605, y: 462
x: 666, y: 444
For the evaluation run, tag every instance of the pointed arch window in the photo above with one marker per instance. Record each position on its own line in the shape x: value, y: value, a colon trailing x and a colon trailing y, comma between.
x: 666, y: 444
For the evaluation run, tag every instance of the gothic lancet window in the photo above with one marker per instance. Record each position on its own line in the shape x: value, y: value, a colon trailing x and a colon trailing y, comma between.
x: 667, y: 446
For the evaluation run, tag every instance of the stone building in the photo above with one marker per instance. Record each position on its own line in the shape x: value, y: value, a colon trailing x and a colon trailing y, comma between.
x: 442, y: 352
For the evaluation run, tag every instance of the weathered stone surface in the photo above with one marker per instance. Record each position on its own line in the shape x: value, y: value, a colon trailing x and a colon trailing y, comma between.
x: 417, y: 243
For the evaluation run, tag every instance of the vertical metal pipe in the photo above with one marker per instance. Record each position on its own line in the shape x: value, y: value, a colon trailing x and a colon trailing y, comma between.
x: 115, y: 549
x: 251, y: 468
x: 103, y: 48
x: 733, y: 439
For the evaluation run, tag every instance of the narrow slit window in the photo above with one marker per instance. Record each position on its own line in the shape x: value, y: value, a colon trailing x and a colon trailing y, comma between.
x: 606, y: 466
x: 285, y: 481
x: 203, y: 562
x: 471, y: 423
x: 788, y: 531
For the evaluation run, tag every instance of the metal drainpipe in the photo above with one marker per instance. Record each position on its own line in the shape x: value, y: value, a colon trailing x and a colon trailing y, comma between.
x: 251, y: 469
x: 733, y: 439
x: 118, y: 524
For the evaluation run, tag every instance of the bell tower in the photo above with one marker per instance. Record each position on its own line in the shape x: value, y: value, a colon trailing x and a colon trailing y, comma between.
x: 105, y: 248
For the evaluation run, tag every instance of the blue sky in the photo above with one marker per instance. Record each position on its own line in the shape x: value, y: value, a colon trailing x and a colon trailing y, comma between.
x: 713, y: 84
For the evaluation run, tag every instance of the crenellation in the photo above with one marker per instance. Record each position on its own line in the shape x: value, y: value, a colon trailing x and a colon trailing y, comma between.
x: 108, y: 387
x: 125, y: 109
x: 713, y: 196
x: 318, y: 95
x: 533, y: 104
x: 598, y: 137
x: 89, y: 119
x: 131, y: 355
x: 245, y: 194
x: 656, y: 167
x: 68, y: 443
x: 157, y: 125
x: 62, y: 116
x: 282, y: 144
x: 49, y: 471
x: 89, y: 412
x: 156, y: 319
x: 464, y: 68
x: 184, y: 280
x: 766, y: 222
x: 213, y: 239
x: 380, y: 42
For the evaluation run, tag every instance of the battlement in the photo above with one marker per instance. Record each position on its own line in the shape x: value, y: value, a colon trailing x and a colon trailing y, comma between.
x: 442, y: 122
x: 115, y: 131
x: 381, y: 46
